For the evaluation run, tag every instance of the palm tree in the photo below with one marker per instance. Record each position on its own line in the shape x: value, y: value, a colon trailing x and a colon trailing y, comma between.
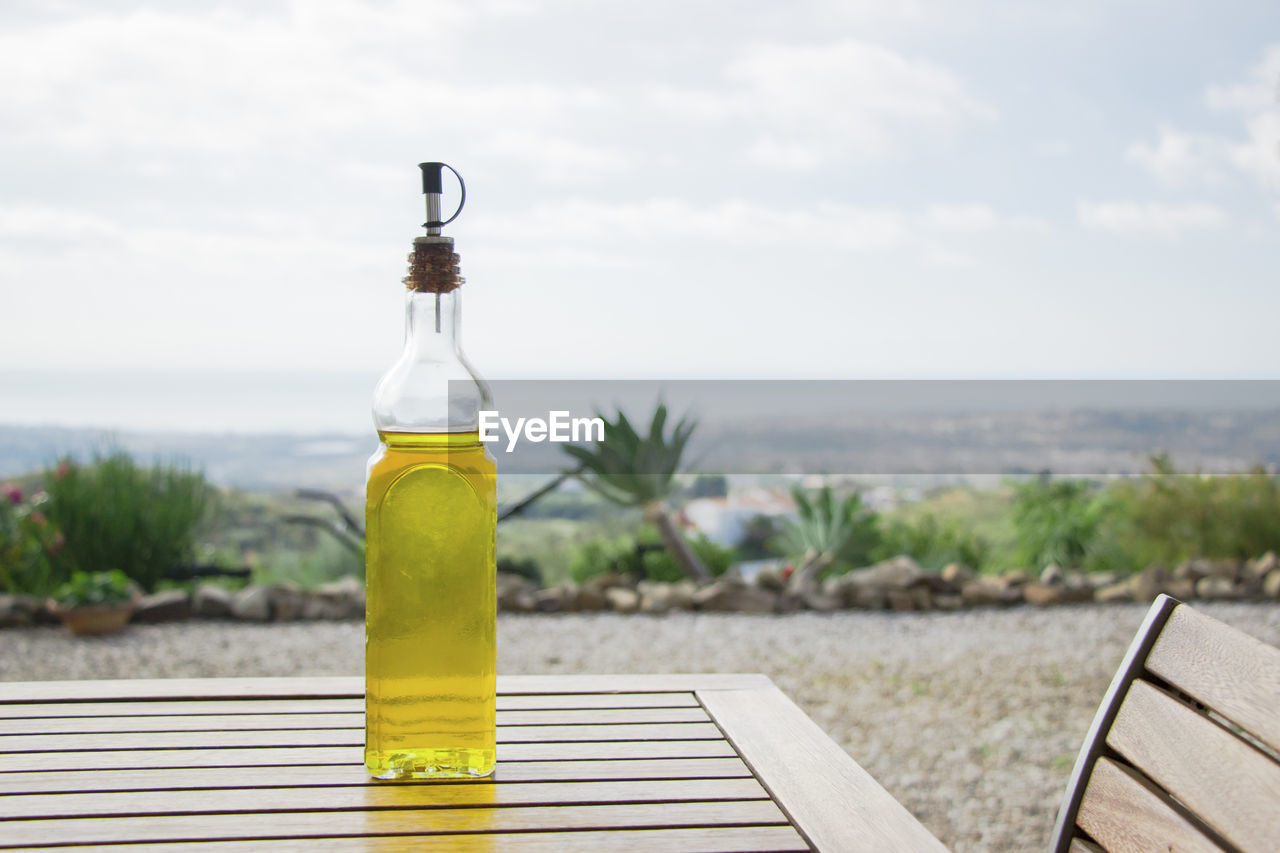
x: 824, y: 530
x: 634, y: 470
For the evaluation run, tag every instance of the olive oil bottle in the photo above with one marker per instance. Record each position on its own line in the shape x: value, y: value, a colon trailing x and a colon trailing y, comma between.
x: 431, y: 515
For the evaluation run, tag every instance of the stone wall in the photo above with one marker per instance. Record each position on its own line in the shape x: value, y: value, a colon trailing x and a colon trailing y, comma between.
x: 897, y: 584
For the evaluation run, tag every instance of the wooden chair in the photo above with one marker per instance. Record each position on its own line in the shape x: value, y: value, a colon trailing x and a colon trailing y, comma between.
x: 1184, y: 753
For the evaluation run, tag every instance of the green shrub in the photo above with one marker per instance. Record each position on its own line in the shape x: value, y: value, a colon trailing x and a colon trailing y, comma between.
x: 525, y: 567
x: 1167, y: 516
x: 828, y: 536
x: 597, y: 556
x: 28, y: 541
x: 306, y: 568
x: 934, y: 542
x: 660, y: 566
x: 644, y: 557
x: 1060, y: 522
x: 115, y: 513
x: 86, y: 589
x: 759, y: 538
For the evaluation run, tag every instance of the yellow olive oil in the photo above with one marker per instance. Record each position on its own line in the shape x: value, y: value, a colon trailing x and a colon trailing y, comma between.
x: 430, y: 630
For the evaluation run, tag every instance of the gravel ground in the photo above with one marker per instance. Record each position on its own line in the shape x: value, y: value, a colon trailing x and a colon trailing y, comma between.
x: 971, y: 719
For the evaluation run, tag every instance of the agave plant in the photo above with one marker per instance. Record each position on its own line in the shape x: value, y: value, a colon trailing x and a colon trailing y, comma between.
x: 824, y: 529
x: 631, y: 469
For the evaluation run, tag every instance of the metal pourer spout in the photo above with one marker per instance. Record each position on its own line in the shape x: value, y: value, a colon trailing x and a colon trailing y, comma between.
x: 433, y: 188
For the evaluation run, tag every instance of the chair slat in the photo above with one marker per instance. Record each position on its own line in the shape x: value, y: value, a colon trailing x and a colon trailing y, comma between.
x: 1081, y: 845
x: 1126, y: 816
x: 1229, y: 671
x: 1227, y: 783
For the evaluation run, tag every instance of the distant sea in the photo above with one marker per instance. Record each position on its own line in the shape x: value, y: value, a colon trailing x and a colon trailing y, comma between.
x: 255, y: 430
x: 298, y: 402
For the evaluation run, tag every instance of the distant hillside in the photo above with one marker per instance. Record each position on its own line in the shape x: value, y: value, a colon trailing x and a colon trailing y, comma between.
x: 944, y: 446
x: 260, y: 462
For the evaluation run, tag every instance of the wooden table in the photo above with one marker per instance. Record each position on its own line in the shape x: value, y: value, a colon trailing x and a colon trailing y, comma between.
x: 622, y: 762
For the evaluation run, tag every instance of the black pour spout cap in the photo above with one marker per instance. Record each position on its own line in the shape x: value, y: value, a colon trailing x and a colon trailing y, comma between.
x: 432, y: 177
x: 433, y: 188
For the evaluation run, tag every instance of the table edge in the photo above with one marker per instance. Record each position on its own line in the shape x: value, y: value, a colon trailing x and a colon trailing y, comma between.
x: 828, y: 796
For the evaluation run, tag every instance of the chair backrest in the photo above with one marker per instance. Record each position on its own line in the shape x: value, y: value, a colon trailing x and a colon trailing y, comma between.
x: 1184, y: 753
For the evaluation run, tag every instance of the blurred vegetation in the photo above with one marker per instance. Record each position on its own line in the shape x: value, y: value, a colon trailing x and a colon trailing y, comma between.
x: 112, y: 513
x: 116, y: 514
x: 28, y: 543
x: 634, y: 469
x: 827, y: 534
x: 1059, y: 522
x: 980, y: 511
x: 933, y: 541
x: 1167, y: 516
x: 87, y: 589
x: 644, y: 556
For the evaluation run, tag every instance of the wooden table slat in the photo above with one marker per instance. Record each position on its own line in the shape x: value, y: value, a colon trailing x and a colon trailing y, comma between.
x: 183, y: 778
x: 267, y: 722
x: 27, y: 744
x: 657, y: 762
x: 339, y: 798
x: 721, y: 839
x: 299, y: 825
x: 182, y: 707
x: 260, y: 756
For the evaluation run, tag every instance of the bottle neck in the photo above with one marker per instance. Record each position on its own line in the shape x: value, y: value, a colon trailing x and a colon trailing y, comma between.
x: 431, y: 322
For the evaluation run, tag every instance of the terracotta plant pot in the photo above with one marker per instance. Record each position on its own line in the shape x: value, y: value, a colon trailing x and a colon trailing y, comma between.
x: 96, y: 618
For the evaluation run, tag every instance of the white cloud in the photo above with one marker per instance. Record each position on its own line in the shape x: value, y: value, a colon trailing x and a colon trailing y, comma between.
x: 1259, y: 154
x: 1053, y: 148
x: 976, y: 217
x: 737, y: 222
x: 1256, y: 94
x: 1178, y: 158
x: 804, y: 105
x: 238, y: 82
x: 1133, y: 219
x: 827, y: 225
x: 556, y: 157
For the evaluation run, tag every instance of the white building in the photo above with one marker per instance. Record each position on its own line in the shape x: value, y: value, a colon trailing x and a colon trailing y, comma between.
x: 724, y: 520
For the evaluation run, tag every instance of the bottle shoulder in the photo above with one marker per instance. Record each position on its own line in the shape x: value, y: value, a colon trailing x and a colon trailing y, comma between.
x: 432, y: 396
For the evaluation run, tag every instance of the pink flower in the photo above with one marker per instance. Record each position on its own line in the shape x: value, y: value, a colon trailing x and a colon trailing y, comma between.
x: 57, y: 544
x: 12, y: 492
x: 62, y: 470
x: 38, y: 519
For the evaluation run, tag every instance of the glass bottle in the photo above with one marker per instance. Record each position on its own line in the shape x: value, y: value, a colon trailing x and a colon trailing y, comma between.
x: 430, y: 564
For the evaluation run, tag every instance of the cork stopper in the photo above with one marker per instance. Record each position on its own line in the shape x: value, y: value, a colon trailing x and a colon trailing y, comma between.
x: 433, y: 266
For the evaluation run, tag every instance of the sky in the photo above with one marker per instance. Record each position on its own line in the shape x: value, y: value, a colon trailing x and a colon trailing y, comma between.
x: 825, y: 189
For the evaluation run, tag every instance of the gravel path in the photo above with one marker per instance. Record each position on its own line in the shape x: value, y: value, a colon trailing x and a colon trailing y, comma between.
x: 971, y: 719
